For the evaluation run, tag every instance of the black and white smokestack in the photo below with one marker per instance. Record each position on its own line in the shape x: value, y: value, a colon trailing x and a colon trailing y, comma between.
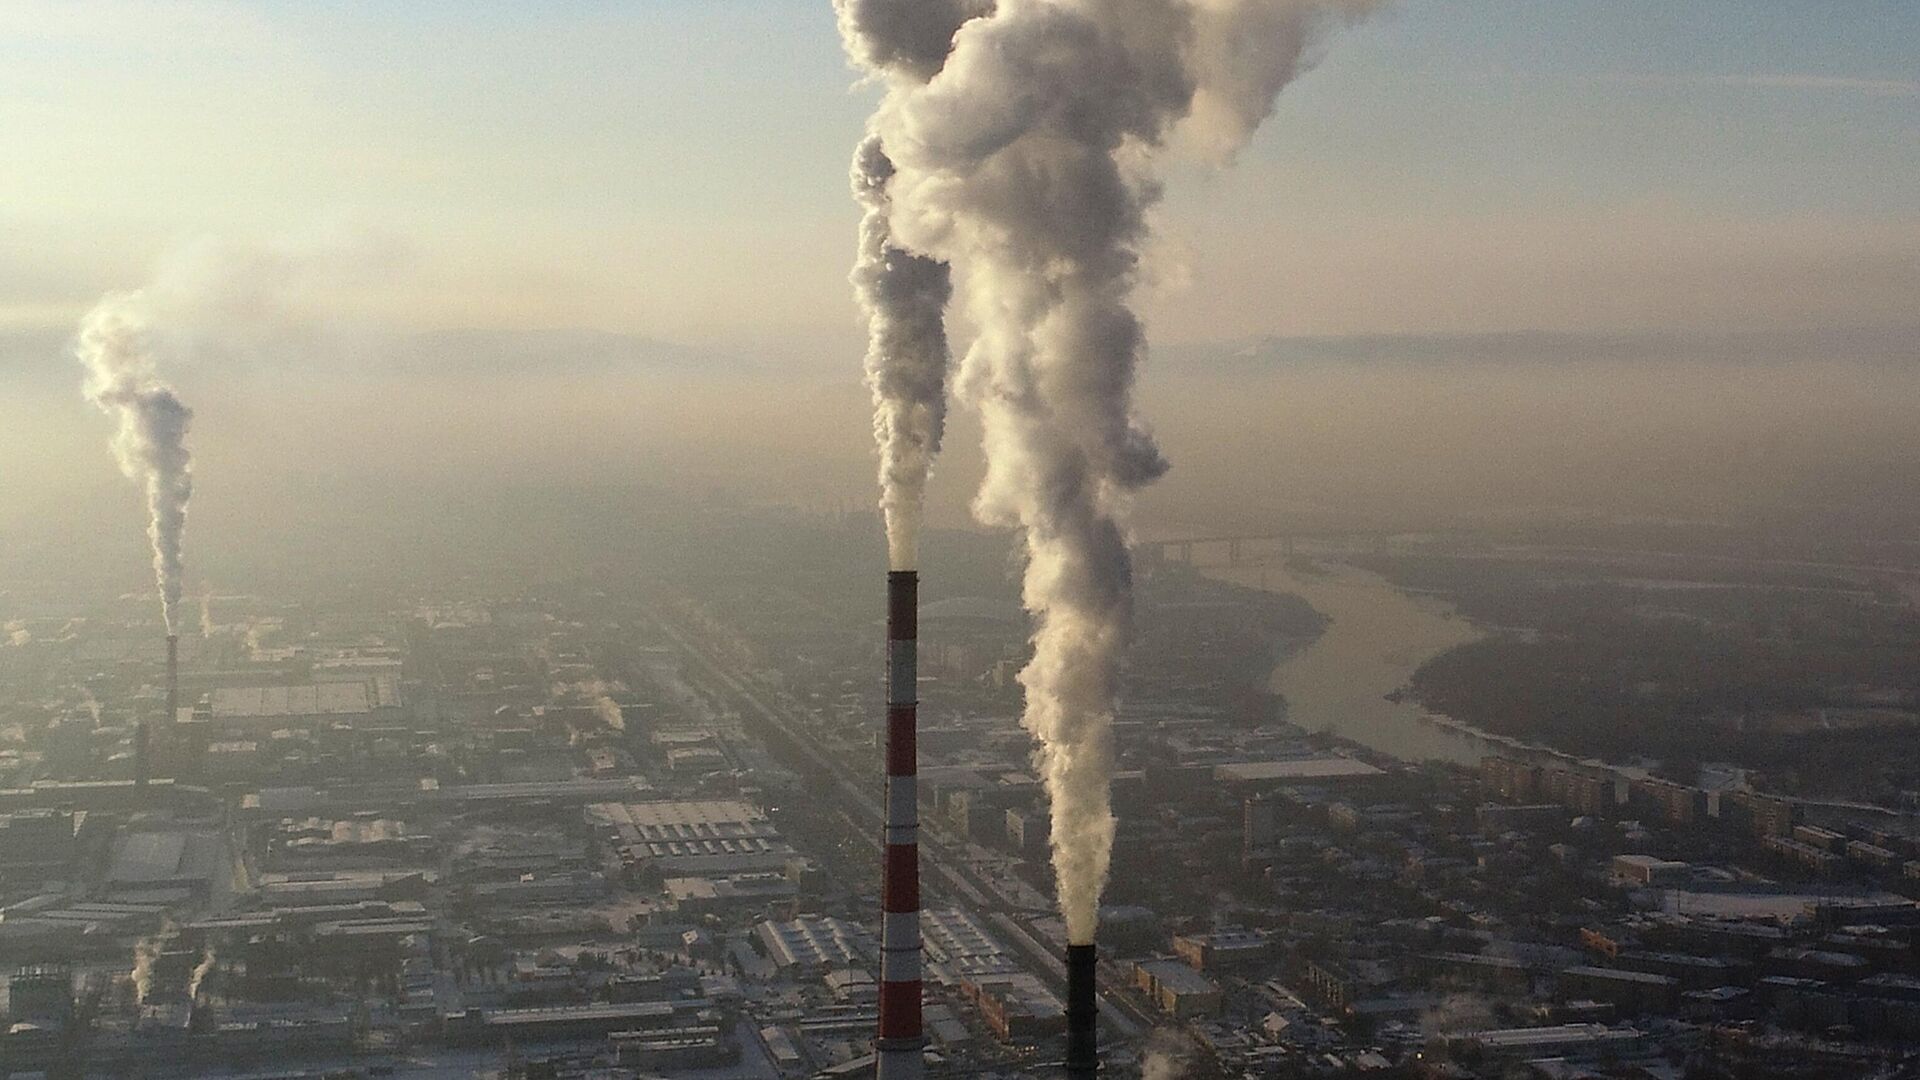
x: 1083, y: 1013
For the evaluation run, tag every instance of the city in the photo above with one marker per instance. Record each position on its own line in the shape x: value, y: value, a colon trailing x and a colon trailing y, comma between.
x: 608, y: 831
x: 949, y: 539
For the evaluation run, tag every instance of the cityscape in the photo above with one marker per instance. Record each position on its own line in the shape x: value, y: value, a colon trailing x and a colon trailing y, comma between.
x: 634, y: 830
x: 949, y: 539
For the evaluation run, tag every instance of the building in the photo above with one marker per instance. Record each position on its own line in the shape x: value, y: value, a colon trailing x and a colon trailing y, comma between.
x: 1223, y: 950
x: 1555, y: 1041
x: 1492, y: 973
x: 41, y: 994
x: 1506, y: 778
x: 815, y: 943
x: 700, y: 838
x: 1295, y: 772
x: 1631, y: 991
x: 40, y: 839
x: 1581, y: 792
x: 1334, y: 985
x: 1765, y: 815
x: 1647, y: 870
x: 356, y: 701
x: 1016, y: 1006
x: 1027, y: 832
x: 1675, y: 804
x: 1179, y: 990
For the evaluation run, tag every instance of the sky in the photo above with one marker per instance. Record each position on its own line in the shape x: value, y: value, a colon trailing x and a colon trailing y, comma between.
x: 676, y: 168
x: 583, y: 242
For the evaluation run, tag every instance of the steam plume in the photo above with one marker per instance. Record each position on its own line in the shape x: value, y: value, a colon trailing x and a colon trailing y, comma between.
x: 905, y: 299
x: 904, y: 294
x: 145, y: 951
x: 1025, y: 161
x: 601, y: 693
x: 1168, y: 1056
x: 116, y: 345
x: 199, y: 976
x: 610, y: 713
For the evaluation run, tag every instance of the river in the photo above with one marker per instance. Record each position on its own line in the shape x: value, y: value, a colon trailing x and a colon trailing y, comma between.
x: 1376, y: 637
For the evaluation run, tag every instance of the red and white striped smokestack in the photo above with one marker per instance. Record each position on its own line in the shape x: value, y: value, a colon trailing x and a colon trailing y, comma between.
x: 901, y: 1045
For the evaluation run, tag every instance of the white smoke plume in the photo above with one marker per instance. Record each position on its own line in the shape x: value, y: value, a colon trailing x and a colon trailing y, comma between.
x: 1456, y: 1013
x: 208, y: 298
x: 206, y: 614
x: 903, y: 293
x: 907, y: 39
x: 1025, y: 161
x: 609, y: 712
x: 145, y: 952
x: 600, y: 692
x: 116, y: 344
x: 199, y: 976
x: 905, y: 298
x: 1168, y: 1056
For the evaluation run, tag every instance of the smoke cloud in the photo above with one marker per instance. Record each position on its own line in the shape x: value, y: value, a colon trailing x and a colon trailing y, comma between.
x: 1168, y: 1056
x: 209, y: 297
x: 199, y: 976
x: 116, y: 345
x: 1025, y: 161
x: 600, y: 692
x: 609, y: 712
x: 902, y: 293
x: 145, y: 952
x: 905, y: 299
x: 1456, y: 1013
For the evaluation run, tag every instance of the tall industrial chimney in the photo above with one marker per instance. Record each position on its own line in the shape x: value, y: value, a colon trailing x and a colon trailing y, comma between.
x: 1083, y: 1014
x: 901, y: 1044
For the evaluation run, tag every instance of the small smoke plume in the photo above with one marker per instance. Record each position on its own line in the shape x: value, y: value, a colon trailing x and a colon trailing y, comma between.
x: 145, y: 952
x: 601, y: 694
x: 206, y: 614
x: 905, y: 299
x: 199, y: 976
x: 1025, y: 161
x: 18, y: 634
x: 208, y: 298
x: 116, y: 344
x: 1168, y: 1056
x: 610, y: 714
x: 1456, y: 1013
x: 903, y: 293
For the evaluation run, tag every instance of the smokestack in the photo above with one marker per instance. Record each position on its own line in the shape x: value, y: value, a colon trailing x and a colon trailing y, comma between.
x: 1083, y: 1014
x: 901, y: 1042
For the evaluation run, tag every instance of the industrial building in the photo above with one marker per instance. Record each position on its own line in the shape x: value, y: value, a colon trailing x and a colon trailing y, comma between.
x: 693, y: 838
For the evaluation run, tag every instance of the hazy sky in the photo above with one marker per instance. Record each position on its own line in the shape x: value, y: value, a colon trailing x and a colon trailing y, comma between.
x: 588, y: 243
x: 676, y: 168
